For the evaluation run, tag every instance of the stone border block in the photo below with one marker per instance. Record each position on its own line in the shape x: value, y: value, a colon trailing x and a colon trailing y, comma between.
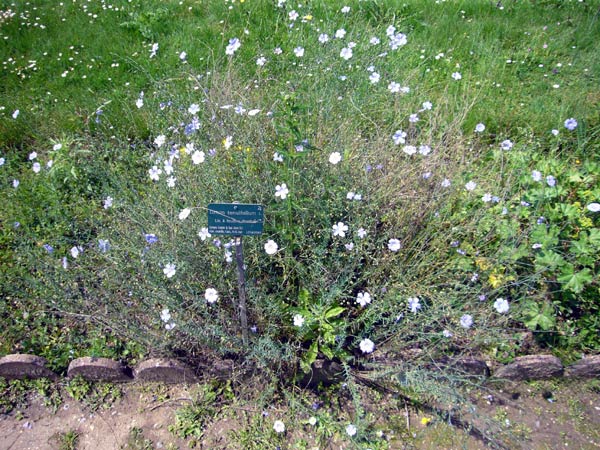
x: 18, y: 366
x: 99, y: 369
x: 467, y: 365
x: 531, y: 367
x: 588, y: 367
x: 165, y: 371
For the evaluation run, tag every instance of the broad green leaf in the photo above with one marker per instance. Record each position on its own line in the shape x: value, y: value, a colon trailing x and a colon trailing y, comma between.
x: 539, y: 317
x: 311, y: 355
x: 548, y: 260
x: 594, y: 237
x: 334, y: 312
x: 548, y: 237
x: 327, y: 352
x: 575, y: 281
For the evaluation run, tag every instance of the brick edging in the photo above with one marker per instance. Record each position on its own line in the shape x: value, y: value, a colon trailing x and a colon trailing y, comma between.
x: 531, y: 367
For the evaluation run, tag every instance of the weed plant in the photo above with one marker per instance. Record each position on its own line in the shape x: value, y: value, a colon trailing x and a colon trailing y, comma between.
x: 428, y: 172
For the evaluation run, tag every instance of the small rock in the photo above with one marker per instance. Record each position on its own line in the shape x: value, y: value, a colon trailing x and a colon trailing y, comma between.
x: 532, y: 367
x: 98, y: 369
x: 20, y: 366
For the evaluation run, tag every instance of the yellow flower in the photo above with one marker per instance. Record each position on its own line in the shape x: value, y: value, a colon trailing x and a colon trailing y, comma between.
x: 308, y: 17
x: 425, y: 421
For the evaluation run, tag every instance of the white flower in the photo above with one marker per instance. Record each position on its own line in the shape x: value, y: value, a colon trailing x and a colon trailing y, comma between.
x: 536, y: 175
x: 397, y: 40
x: 345, y: 10
x: 16, y: 113
x: 394, y: 245
x: 501, y: 305
x: 165, y: 315
x: 139, y: 102
x: 194, y: 108
x: 2, y: 161
x: 479, y: 128
x: 457, y: 76
x: 75, y: 251
x: 107, y: 202
x: 466, y: 321
x: 160, y: 140
x: 16, y: 183
x: 182, y: 56
x: 346, y: 53
x: 363, y: 298
x: 279, y: 426
x: 312, y: 420
x: 399, y: 137
x: 32, y: 156
x: 339, y: 229
x: 153, y: 50
x: 198, y: 157
x: 171, y: 182
x: 446, y: 183
x: 487, y: 197
x: 204, y: 234
x: 184, y: 213
x: 506, y: 144
x: 271, y: 247
x: 169, y: 326
x: 427, y: 106
x: 298, y: 320
x: 394, y: 87
x: 233, y: 46
x: 351, y: 430
x: 293, y: 15
x: 470, y: 186
x: 424, y: 150
x: 339, y: 34
x: 374, y: 40
x: 228, y: 256
x: 390, y: 31
x: 570, y: 124
x: 261, y: 61
x: 367, y: 346
x: 413, y: 118
x: 154, y: 173
x: 281, y: 190
x: 253, y: 112
x: 593, y: 207
x: 447, y: 334
x: 36, y: 167
x: 409, y: 149
x: 335, y: 158
x: 414, y: 304
x: 169, y: 270
x: 211, y: 295
x: 361, y: 233
x: 299, y: 52
x: 323, y: 37
x: 277, y: 51
x: 278, y: 157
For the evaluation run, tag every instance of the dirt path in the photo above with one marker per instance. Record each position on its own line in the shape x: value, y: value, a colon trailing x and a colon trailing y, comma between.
x: 537, y: 415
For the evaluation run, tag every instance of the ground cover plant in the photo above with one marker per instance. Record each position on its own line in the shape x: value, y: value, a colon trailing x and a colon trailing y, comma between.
x: 428, y: 171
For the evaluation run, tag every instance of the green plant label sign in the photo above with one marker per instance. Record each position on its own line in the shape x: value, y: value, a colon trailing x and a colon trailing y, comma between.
x: 235, y: 219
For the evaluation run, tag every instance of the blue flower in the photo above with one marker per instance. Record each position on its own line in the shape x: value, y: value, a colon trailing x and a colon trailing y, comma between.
x: 151, y: 238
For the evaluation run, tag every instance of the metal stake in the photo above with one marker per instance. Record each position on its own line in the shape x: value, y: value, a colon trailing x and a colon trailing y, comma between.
x: 239, y: 257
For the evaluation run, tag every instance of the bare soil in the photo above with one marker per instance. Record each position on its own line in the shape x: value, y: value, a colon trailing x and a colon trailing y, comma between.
x: 534, y: 415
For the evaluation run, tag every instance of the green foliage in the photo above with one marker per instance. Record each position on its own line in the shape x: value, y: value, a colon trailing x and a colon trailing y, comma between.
x: 93, y: 395
x: 191, y: 420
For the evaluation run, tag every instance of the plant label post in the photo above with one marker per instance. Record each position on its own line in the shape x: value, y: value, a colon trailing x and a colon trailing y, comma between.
x: 238, y: 220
